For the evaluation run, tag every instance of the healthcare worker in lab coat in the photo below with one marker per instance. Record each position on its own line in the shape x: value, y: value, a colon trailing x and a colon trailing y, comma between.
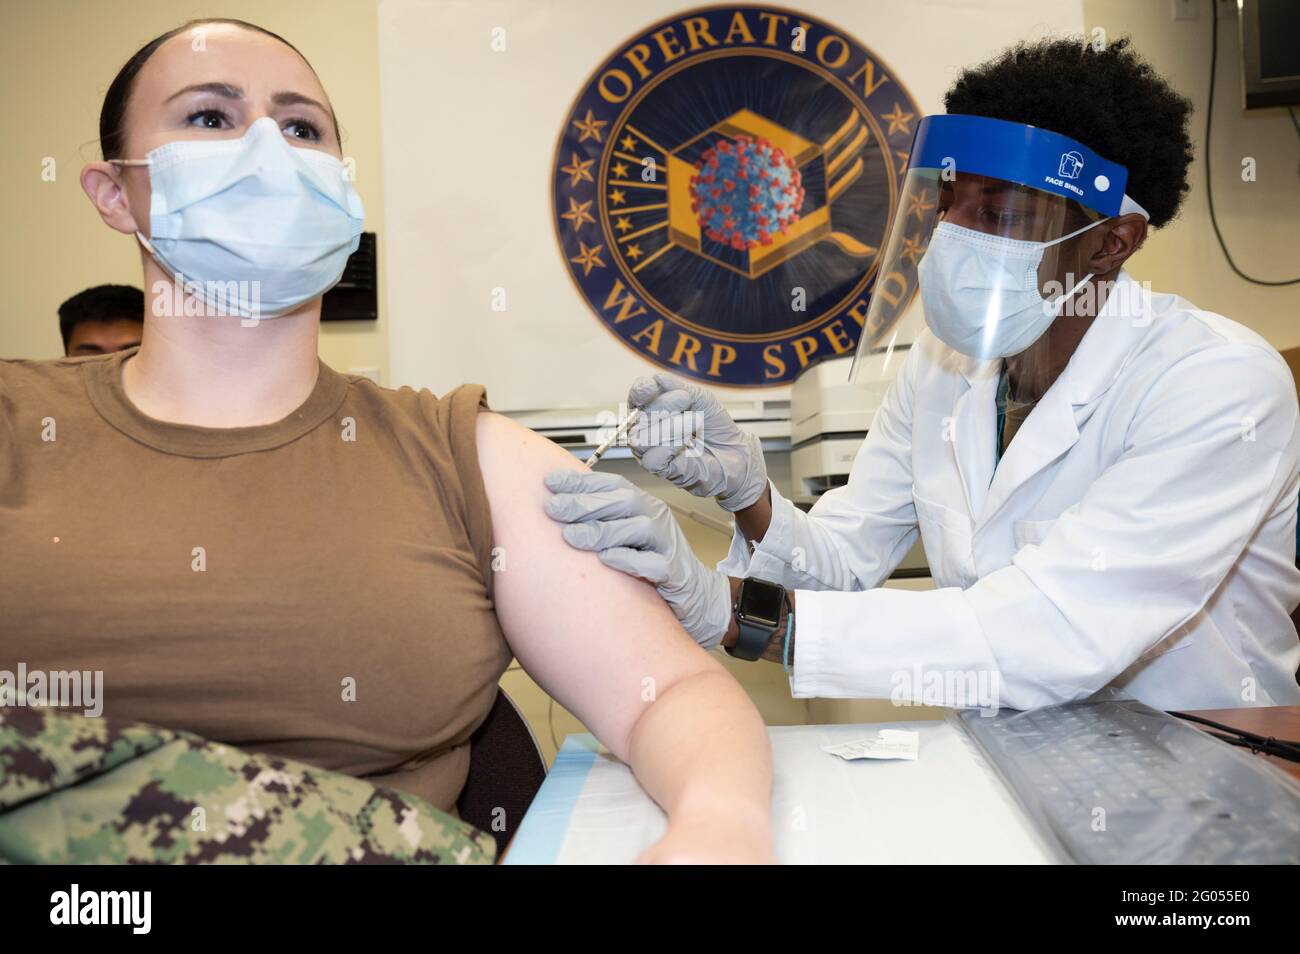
x: 1104, y: 479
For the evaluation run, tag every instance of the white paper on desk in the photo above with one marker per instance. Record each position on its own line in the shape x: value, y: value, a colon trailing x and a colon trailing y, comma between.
x: 885, y: 744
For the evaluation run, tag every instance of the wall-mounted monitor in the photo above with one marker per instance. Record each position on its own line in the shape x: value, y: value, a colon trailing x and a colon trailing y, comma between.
x: 1270, y: 52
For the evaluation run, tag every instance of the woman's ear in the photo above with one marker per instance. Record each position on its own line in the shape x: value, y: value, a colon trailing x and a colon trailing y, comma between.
x: 1123, y: 237
x: 100, y: 181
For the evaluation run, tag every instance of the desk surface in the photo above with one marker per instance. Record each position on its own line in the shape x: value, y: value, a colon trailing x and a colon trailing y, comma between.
x: 947, y: 807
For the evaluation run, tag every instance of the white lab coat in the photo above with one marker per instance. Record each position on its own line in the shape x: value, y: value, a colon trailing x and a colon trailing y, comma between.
x: 1140, y: 531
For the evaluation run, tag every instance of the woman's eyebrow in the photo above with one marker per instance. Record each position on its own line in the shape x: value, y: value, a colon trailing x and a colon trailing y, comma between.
x: 296, y: 99
x: 230, y: 91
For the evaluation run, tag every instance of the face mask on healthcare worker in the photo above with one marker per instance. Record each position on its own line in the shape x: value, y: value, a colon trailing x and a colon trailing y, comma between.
x: 980, y: 292
x: 253, y: 209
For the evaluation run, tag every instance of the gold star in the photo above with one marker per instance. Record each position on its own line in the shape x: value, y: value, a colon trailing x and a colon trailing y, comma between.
x: 627, y: 142
x: 589, y: 126
x: 589, y: 258
x: 903, y: 156
x: 912, y: 250
x: 898, y: 120
x: 622, y: 225
x: 620, y: 170
x: 616, y: 196
x: 634, y: 251
x: 577, y: 170
x: 578, y: 213
x: 917, y: 205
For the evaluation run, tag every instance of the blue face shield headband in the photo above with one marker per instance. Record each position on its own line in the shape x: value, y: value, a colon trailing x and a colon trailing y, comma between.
x: 1023, y: 154
x: 983, y: 230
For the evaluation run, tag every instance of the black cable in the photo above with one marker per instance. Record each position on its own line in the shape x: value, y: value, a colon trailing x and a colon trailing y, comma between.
x: 1256, y: 748
x: 1209, y: 187
x: 1282, y: 748
x: 1201, y: 720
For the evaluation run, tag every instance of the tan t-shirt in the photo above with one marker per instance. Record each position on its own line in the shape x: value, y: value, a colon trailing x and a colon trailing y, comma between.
x: 238, y: 583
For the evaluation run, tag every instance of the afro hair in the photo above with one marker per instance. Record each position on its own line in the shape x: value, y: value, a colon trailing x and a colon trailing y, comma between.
x: 1111, y: 100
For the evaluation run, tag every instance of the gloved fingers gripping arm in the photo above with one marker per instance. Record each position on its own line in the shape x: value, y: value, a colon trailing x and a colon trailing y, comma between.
x: 634, y: 532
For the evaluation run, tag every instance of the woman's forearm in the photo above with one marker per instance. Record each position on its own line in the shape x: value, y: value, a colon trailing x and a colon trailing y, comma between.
x: 702, y: 752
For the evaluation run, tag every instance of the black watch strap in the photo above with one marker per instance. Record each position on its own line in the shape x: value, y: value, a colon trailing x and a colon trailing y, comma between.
x: 756, y: 618
x: 751, y: 643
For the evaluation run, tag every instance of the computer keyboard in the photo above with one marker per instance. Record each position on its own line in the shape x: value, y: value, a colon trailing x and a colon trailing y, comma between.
x: 1117, y: 782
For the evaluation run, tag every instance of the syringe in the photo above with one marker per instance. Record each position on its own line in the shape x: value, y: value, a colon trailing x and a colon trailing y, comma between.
x: 618, y: 435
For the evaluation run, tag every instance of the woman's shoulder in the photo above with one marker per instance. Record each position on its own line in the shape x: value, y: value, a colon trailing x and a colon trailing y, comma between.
x: 418, y: 415
x: 418, y: 404
x: 23, y: 379
x: 13, y: 368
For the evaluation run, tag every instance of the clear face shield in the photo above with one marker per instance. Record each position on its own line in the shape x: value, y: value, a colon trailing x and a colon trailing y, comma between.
x: 985, y: 246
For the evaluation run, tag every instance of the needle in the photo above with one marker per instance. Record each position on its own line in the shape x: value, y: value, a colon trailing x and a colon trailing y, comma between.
x: 618, y: 435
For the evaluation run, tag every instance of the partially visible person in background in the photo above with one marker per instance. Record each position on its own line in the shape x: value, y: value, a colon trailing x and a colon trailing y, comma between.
x: 101, y: 320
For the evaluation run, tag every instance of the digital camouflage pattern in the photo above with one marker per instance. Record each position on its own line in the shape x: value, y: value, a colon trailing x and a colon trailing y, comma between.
x: 79, y: 790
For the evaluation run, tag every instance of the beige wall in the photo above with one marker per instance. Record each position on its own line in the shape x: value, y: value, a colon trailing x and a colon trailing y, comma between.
x: 1260, y: 220
x: 58, y: 56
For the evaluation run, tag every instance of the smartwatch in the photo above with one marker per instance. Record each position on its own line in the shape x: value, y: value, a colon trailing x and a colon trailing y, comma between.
x: 758, y: 614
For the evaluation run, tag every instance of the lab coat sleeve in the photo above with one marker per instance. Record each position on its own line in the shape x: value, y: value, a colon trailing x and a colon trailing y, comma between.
x: 1211, y: 448
x: 855, y: 535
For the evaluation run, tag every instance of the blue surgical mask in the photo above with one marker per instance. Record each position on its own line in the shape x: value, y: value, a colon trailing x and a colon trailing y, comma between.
x: 980, y: 291
x: 254, y: 226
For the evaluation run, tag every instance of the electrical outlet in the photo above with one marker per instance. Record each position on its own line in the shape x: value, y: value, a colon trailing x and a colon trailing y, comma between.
x: 1186, y: 9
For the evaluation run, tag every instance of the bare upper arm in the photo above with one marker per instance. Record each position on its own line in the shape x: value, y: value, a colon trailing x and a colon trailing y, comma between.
x: 602, y: 643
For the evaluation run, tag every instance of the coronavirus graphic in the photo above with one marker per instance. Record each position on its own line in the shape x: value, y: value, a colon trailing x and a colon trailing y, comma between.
x: 744, y: 191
